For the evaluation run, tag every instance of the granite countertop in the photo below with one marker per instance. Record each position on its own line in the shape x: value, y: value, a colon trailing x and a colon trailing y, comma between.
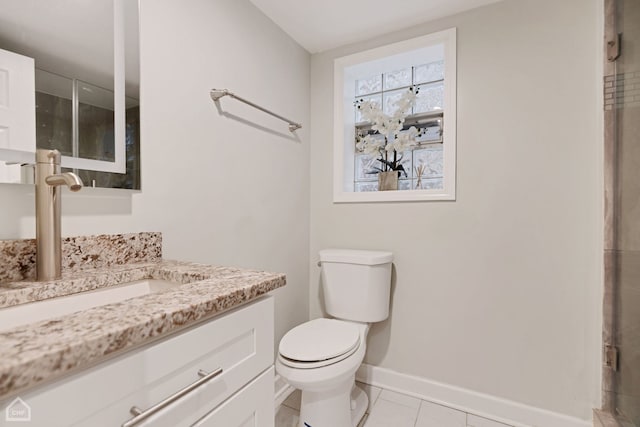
x: 34, y: 353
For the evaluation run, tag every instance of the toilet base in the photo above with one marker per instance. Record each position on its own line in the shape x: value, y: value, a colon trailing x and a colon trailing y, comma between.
x: 342, y: 406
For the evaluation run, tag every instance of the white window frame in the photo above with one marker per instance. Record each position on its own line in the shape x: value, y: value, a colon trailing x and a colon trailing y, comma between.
x: 344, y: 121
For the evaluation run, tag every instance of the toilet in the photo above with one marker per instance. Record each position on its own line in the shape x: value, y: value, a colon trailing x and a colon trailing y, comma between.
x: 321, y: 357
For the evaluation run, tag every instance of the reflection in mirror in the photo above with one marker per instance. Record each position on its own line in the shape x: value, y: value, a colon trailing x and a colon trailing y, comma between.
x: 54, y: 112
x: 76, y: 110
x: 95, y: 122
x: 130, y: 179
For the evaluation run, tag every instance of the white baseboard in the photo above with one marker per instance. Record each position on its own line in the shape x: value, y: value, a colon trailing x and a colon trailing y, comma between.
x: 482, y: 405
x: 282, y: 390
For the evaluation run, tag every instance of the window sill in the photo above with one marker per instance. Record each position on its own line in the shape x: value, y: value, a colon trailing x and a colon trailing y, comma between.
x: 393, y: 196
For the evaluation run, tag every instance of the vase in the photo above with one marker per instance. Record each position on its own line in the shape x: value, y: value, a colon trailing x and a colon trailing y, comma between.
x: 387, y: 180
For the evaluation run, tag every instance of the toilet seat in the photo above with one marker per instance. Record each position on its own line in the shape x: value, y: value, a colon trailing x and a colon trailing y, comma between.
x: 318, y: 343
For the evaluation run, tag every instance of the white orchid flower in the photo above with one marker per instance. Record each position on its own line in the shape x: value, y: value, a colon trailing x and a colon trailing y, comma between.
x: 369, y: 110
x: 403, y: 140
x: 389, y: 126
x: 405, y: 102
x: 396, y: 124
x: 370, y: 145
x: 373, y: 115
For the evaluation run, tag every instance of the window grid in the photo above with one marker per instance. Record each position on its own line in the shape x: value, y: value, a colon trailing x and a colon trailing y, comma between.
x: 432, y: 178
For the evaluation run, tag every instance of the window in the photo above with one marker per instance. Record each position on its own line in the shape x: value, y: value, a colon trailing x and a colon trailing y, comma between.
x: 379, y: 78
x: 421, y: 163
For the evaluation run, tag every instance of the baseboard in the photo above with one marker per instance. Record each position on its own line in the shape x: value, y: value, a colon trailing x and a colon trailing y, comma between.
x: 282, y: 390
x: 482, y: 405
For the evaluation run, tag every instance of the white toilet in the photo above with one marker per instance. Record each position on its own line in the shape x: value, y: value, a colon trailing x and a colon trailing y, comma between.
x: 320, y: 357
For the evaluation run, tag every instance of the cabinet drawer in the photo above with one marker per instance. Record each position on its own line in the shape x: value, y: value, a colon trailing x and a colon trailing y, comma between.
x: 248, y: 408
x: 240, y: 342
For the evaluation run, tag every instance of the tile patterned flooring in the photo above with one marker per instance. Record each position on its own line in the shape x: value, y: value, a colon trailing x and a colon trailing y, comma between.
x: 390, y: 409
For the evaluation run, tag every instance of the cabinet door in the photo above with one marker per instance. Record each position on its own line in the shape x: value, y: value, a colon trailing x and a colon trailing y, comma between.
x: 250, y: 407
x: 17, y: 108
x: 239, y: 341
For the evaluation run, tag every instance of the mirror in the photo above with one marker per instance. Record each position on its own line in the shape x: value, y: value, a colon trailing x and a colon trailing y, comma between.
x: 86, y: 86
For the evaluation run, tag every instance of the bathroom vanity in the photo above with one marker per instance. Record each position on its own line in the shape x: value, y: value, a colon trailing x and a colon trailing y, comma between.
x: 196, y: 349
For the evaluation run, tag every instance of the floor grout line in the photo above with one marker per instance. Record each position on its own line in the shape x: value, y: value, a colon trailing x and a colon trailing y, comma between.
x: 379, y: 398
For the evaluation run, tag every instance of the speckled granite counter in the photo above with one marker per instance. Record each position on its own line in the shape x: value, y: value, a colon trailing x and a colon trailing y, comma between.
x: 18, y: 257
x: 37, y: 352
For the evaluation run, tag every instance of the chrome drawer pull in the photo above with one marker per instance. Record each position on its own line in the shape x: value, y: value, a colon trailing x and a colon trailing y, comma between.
x: 141, y: 415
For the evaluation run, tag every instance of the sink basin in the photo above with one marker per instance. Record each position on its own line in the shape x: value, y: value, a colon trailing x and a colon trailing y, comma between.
x: 12, y: 317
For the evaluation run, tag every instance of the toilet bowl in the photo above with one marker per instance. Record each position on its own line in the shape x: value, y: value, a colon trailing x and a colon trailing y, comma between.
x: 329, y: 395
x: 321, y: 357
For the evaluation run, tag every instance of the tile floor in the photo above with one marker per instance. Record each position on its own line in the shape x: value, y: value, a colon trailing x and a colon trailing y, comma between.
x: 390, y: 409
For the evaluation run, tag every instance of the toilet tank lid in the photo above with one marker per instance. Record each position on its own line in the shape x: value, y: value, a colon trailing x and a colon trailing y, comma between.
x: 355, y: 256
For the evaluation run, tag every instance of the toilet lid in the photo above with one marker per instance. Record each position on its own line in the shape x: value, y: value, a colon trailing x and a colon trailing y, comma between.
x: 319, y: 339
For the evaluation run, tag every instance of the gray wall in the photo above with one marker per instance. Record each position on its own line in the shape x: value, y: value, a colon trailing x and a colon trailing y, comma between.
x: 498, y: 292
x: 221, y: 191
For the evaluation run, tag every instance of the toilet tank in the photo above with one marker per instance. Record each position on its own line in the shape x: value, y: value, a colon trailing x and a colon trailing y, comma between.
x: 356, y: 284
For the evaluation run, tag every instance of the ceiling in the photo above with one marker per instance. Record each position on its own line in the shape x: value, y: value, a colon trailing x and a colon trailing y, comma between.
x: 326, y: 24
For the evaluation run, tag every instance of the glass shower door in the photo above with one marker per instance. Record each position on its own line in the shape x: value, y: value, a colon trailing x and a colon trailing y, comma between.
x: 622, y: 120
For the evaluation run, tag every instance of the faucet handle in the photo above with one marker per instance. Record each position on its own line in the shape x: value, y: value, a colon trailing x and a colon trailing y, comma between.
x: 44, y: 155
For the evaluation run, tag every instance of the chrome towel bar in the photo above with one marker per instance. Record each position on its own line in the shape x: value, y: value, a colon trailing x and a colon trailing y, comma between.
x: 216, y: 94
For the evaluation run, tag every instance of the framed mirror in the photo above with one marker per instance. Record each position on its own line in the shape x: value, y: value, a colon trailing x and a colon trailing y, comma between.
x: 86, y: 74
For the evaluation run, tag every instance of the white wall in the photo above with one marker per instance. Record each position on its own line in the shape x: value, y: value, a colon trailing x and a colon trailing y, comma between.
x: 221, y: 191
x: 499, y: 291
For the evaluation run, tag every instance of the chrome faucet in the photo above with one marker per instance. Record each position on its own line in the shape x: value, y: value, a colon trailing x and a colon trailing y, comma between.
x: 48, y: 241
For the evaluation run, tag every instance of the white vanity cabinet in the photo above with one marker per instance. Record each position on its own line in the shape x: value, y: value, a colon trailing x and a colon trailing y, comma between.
x: 235, y: 350
x: 17, y: 108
